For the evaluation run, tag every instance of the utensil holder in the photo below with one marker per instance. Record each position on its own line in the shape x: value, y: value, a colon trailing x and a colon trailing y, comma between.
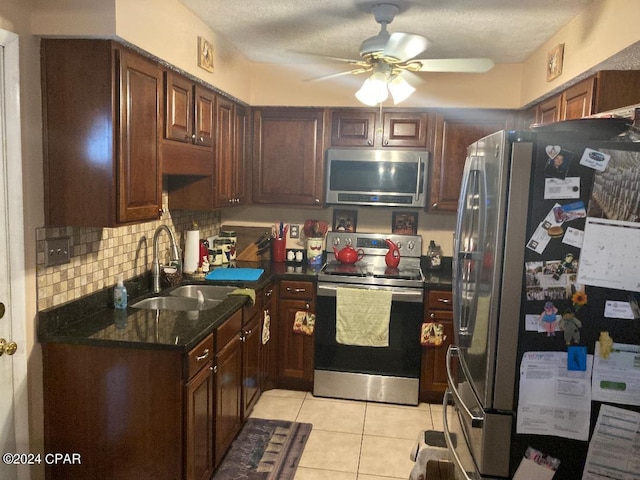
x: 278, y: 249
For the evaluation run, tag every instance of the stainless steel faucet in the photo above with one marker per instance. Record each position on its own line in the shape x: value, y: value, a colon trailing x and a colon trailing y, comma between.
x: 175, y: 255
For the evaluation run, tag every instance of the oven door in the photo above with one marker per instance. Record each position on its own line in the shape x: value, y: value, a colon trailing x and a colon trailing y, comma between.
x: 385, y: 374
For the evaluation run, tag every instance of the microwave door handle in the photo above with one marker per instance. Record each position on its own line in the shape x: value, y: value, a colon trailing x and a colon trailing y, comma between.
x: 417, y: 195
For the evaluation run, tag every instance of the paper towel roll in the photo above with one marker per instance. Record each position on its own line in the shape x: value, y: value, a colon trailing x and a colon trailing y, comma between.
x: 191, y: 251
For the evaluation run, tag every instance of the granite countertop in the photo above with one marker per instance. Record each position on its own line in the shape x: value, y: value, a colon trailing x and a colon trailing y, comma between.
x: 92, y: 320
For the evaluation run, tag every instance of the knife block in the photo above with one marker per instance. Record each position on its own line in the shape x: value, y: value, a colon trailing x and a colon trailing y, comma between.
x: 249, y: 254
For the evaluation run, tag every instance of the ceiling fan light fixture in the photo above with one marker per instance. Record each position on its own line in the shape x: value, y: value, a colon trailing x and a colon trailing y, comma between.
x: 400, y: 89
x: 373, y: 91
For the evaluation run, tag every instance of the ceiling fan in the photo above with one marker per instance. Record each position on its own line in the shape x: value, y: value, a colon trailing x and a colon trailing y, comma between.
x: 390, y: 58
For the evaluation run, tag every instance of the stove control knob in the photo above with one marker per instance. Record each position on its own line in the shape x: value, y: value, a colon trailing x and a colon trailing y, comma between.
x: 399, y: 244
x: 411, y: 245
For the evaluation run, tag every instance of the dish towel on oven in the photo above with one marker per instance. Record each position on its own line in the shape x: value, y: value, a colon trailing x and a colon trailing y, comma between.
x: 362, y: 316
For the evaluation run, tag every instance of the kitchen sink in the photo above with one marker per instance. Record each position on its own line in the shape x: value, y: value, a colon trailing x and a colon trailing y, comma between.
x: 209, y: 292
x: 183, y: 304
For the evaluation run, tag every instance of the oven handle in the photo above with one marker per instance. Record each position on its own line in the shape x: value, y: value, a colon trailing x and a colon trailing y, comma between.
x: 408, y: 295
x: 447, y: 436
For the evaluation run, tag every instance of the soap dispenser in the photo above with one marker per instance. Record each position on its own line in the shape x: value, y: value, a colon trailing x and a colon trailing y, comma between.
x: 120, y: 295
x: 434, y: 256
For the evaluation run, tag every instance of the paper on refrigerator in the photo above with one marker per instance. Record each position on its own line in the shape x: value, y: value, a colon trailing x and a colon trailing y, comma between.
x: 616, y: 379
x: 552, y: 399
x: 613, y: 449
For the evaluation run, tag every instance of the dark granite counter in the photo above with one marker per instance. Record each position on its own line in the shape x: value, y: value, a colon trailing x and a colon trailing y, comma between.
x: 93, y: 320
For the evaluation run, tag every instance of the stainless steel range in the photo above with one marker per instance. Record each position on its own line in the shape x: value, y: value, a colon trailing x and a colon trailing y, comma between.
x: 388, y: 374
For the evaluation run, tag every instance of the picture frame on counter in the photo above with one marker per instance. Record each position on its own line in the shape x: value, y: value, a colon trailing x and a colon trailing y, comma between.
x: 345, y: 220
x: 404, y: 223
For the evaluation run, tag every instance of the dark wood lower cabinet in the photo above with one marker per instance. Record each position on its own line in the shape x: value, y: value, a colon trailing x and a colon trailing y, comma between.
x: 199, y: 436
x: 295, y: 350
x: 228, y: 367
x: 121, y: 409
x: 433, y: 377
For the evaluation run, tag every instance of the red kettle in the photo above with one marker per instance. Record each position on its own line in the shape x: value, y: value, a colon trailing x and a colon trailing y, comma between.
x: 348, y: 254
x: 392, y: 258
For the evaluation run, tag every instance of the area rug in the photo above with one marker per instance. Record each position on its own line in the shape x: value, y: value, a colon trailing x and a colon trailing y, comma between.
x: 265, y: 450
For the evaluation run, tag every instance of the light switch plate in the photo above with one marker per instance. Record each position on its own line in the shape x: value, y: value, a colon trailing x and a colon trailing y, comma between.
x: 294, y: 231
x: 57, y: 251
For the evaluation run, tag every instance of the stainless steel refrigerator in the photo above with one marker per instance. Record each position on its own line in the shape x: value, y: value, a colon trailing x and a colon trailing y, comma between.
x: 511, y: 185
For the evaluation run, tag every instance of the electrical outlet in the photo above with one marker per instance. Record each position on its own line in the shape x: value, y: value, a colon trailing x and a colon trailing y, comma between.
x: 57, y: 251
x: 294, y: 231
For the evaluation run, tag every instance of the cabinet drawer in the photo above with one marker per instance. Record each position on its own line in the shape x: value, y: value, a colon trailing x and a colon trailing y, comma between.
x: 228, y: 329
x: 200, y: 356
x: 296, y: 290
x: 440, y: 300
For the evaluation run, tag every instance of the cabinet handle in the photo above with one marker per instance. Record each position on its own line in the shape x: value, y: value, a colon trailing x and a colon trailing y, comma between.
x: 268, y: 293
x: 317, y: 201
x: 434, y: 205
x: 444, y: 300
x: 432, y: 315
x: 296, y: 290
x: 386, y: 142
x: 199, y: 358
x: 201, y: 139
x: 215, y: 369
x: 307, y: 306
x: 370, y: 143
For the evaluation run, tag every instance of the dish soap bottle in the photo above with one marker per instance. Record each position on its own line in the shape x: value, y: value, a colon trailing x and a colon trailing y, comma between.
x: 120, y: 295
x: 434, y: 256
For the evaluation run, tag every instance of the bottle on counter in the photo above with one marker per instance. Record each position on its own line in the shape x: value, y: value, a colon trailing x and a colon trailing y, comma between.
x: 120, y: 295
x: 434, y: 256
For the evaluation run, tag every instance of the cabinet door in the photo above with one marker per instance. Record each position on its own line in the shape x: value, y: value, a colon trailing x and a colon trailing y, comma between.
x: 228, y: 400
x: 224, y: 152
x: 295, y: 362
x: 550, y: 110
x: 404, y: 129
x: 288, y: 156
x: 269, y: 350
x: 251, y: 364
x: 577, y: 101
x: 178, y: 121
x: 454, y: 131
x: 433, y: 377
x: 204, y: 117
x: 353, y: 128
x: 241, y: 180
x: 139, y: 176
x: 199, y: 446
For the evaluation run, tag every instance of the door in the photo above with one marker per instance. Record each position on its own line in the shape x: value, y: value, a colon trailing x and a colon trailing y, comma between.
x: 13, y: 368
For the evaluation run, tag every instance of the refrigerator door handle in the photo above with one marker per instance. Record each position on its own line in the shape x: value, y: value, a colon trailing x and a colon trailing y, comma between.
x: 447, y: 437
x: 476, y: 421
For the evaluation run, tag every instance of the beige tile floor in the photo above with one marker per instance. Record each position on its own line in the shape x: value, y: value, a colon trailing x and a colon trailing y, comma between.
x: 351, y: 440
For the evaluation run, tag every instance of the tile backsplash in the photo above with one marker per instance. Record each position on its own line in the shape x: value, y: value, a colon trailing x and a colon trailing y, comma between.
x: 99, y: 255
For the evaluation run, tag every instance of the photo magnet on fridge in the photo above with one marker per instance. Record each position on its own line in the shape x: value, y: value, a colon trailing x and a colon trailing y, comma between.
x: 558, y: 161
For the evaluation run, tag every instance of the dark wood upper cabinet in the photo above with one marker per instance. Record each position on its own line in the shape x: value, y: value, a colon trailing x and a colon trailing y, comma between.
x: 606, y: 90
x: 189, y: 122
x: 101, y: 122
x: 355, y: 127
x: 225, y: 149
x: 404, y: 129
x: 453, y: 131
x: 288, y: 153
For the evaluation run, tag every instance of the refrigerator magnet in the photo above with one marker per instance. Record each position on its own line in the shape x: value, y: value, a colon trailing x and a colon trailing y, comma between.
x: 577, y: 358
x: 561, y: 189
x: 558, y: 161
x: 595, y: 159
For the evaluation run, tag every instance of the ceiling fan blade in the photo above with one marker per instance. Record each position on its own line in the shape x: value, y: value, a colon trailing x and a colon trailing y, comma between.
x: 355, y: 71
x: 404, y: 46
x: 462, y: 65
x: 316, y: 56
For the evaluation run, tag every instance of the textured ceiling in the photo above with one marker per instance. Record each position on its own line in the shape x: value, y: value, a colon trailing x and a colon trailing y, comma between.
x: 271, y: 31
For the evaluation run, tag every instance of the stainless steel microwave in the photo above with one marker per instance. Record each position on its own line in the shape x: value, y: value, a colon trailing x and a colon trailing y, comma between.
x: 396, y: 178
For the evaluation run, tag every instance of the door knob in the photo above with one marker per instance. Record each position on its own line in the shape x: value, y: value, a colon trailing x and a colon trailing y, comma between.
x: 7, y: 347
